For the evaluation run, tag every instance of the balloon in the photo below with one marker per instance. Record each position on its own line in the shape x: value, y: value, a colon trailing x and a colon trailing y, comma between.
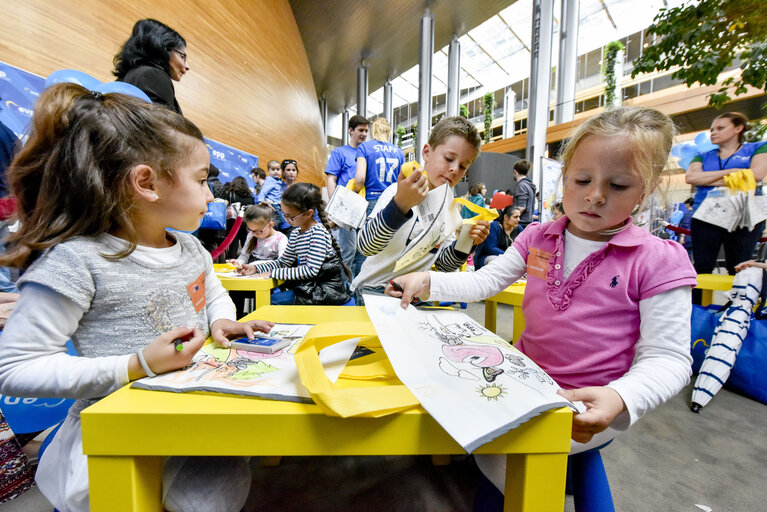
x: 72, y: 76
x: 675, y: 151
x: 123, y: 88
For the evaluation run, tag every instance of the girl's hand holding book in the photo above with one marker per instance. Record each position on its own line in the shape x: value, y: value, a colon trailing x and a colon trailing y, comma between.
x: 222, y: 330
x: 411, y: 190
x: 162, y: 355
x: 603, y: 405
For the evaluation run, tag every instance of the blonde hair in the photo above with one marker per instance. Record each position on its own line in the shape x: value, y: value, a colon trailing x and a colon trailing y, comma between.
x: 381, y: 129
x: 649, y: 132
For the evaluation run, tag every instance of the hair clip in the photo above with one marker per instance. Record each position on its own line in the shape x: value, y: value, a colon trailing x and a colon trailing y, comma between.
x: 97, y: 95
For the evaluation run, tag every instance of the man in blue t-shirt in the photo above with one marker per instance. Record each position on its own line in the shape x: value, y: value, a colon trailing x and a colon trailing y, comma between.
x: 342, y: 166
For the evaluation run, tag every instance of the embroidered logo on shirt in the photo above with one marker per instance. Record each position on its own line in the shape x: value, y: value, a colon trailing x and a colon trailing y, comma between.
x: 614, y: 282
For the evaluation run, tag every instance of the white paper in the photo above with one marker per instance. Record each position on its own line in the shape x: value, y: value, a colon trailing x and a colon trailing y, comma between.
x: 240, y: 372
x: 347, y: 209
x: 473, y: 383
x: 437, y: 219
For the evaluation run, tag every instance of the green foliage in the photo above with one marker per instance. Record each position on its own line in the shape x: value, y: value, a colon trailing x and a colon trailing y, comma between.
x: 464, y: 111
x: 489, y: 102
x: 608, y: 70
x: 400, y: 131
x: 415, y: 131
x: 703, y: 40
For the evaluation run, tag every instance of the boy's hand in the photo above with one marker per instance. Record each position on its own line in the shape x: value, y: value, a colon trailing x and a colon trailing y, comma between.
x: 161, y: 355
x: 409, y: 286
x: 750, y: 263
x: 411, y: 191
x: 479, y: 231
x: 222, y: 329
x: 603, y: 405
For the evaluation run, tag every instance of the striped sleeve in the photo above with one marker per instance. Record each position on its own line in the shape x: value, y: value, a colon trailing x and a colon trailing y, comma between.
x: 287, y: 259
x: 450, y: 259
x: 378, y: 231
x: 312, y: 248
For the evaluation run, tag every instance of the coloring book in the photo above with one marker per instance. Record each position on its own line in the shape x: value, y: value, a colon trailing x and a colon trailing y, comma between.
x: 240, y: 372
x: 474, y: 383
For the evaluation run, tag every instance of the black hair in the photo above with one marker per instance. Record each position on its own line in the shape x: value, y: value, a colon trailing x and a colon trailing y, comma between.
x: 150, y: 44
x: 287, y: 162
x: 239, y: 187
x: 689, y: 201
x: 522, y: 167
x: 355, y: 121
x: 304, y: 197
x: 258, y: 172
x: 212, y: 171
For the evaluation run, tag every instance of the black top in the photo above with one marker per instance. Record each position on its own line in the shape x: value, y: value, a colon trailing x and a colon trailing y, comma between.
x: 156, y: 83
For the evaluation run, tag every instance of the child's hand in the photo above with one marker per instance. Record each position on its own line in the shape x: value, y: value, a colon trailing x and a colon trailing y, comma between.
x: 411, y: 191
x: 246, y: 269
x: 750, y: 263
x: 603, y: 405
x: 223, y: 329
x: 236, y: 264
x: 479, y: 231
x: 409, y: 286
x: 161, y: 355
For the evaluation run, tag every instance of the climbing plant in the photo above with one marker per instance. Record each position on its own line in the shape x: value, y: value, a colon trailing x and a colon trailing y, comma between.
x: 489, y: 102
x: 608, y: 70
x: 464, y: 111
x: 400, y: 131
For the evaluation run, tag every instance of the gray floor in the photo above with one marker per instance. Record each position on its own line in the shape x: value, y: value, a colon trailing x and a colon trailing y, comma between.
x: 672, y: 460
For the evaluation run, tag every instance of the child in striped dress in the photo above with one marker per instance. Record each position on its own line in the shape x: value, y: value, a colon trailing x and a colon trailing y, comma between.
x: 311, y: 263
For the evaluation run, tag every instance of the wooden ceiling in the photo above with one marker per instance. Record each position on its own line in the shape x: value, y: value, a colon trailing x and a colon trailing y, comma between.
x: 339, y: 34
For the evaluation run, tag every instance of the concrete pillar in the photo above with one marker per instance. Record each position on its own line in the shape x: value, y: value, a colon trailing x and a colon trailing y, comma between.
x: 345, y: 127
x: 324, y: 115
x: 568, y: 61
x: 540, y: 84
x: 362, y: 91
x: 388, y: 107
x: 509, y: 100
x: 426, y: 50
x: 453, y: 78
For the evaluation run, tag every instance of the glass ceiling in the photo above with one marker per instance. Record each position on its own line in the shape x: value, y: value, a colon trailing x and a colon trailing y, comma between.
x: 497, y: 53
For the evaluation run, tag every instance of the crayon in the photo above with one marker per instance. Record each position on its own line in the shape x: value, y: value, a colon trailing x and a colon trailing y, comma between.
x: 396, y: 285
x: 179, y: 344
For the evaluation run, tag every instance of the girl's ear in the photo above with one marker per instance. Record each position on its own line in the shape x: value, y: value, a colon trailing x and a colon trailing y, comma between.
x: 143, y: 181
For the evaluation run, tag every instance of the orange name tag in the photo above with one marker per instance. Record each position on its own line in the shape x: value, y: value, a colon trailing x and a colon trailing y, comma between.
x: 538, y: 263
x: 196, y: 291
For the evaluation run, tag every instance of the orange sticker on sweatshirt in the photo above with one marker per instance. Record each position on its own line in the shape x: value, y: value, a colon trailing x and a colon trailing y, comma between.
x: 196, y: 291
x: 538, y: 263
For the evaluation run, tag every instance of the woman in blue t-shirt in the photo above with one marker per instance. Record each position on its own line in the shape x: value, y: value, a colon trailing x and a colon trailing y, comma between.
x: 378, y: 162
x: 706, y: 172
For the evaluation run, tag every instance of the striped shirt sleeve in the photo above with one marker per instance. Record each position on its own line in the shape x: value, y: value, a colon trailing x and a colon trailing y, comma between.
x: 288, y: 258
x: 312, y: 248
x: 378, y: 231
x: 450, y: 259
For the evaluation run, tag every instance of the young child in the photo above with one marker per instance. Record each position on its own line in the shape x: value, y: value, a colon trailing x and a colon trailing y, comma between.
x: 98, y: 182
x: 607, y: 304
x: 453, y: 145
x: 312, y: 261
x: 263, y: 243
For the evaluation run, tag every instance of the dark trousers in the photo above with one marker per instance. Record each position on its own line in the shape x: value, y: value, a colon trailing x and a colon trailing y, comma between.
x: 707, y: 238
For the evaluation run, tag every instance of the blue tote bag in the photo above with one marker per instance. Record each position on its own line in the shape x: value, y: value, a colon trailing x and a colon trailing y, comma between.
x: 215, y: 217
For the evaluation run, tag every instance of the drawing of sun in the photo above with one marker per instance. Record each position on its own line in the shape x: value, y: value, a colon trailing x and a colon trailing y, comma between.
x: 491, y: 391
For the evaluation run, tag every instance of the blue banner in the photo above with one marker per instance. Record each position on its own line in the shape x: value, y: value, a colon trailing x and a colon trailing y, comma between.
x: 20, y: 89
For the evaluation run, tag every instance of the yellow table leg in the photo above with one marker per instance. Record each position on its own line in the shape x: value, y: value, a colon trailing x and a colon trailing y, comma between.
x: 263, y: 298
x: 125, y: 484
x: 706, y: 297
x: 540, y: 487
x: 491, y: 311
x: 519, y: 323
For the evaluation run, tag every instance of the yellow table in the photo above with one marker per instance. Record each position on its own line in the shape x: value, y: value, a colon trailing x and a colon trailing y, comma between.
x: 261, y: 287
x: 514, y: 294
x: 127, y: 434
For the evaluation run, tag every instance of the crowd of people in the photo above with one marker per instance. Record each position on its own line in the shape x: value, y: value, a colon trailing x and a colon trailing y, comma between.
x: 99, y: 264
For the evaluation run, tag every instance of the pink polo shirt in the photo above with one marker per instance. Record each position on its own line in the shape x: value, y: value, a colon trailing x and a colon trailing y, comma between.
x: 583, y: 330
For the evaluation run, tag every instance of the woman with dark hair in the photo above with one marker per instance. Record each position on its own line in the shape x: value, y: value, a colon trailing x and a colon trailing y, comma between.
x: 152, y: 57
x: 502, y: 233
x: 707, y: 171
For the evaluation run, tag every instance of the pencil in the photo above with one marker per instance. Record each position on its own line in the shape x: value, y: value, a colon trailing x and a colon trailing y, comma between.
x: 396, y: 285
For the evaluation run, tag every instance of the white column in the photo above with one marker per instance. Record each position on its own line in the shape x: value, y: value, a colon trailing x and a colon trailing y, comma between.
x: 453, y: 78
x: 424, y: 82
x: 324, y: 115
x: 388, y: 107
x: 540, y: 84
x: 509, y: 100
x: 362, y: 91
x: 345, y: 127
x: 619, y: 78
x: 568, y: 62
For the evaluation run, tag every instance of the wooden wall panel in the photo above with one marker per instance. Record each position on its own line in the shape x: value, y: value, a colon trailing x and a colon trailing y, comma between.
x: 250, y: 85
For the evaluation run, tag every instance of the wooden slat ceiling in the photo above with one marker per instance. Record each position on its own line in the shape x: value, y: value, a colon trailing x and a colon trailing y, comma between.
x: 339, y: 34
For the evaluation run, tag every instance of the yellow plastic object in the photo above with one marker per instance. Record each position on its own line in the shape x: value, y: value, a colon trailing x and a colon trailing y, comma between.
x: 408, y: 167
x: 740, y: 181
x: 487, y: 214
x: 350, y: 186
x: 366, y: 402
